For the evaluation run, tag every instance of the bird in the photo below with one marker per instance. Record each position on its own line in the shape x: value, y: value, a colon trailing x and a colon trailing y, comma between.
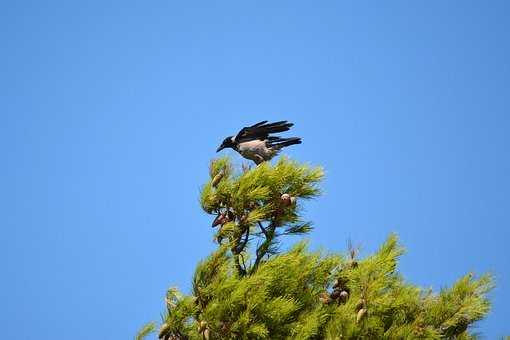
x: 255, y: 143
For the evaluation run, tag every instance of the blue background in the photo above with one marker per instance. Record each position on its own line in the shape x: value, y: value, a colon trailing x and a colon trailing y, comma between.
x: 111, y: 111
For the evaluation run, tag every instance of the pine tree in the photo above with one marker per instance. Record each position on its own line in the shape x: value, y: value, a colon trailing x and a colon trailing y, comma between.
x: 248, y: 289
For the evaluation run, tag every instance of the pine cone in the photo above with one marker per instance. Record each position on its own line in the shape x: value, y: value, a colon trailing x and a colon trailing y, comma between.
x: 360, y: 304
x: 202, y: 326
x: 216, y: 180
x: 340, y: 283
x: 335, y: 294
x: 221, y: 219
x: 324, y: 298
x: 344, y: 295
x: 217, y: 220
x: 361, y: 314
x: 287, y: 200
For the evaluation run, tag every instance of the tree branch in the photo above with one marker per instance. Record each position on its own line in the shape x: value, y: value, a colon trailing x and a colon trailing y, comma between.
x: 262, y: 250
x: 240, y: 269
x: 264, y: 231
x: 238, y: 249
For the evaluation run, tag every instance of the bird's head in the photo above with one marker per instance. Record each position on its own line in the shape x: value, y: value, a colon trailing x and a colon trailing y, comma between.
x: 227, y: 143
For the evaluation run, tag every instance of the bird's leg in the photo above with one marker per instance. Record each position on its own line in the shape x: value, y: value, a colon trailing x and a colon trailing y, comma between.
x: 258, y: 159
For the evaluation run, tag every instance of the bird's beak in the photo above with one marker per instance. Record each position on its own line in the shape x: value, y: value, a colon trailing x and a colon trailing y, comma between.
x: 220, y: 148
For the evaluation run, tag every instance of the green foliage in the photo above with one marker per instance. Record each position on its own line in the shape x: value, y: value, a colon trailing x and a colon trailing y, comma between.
x: 146, y: 330
x: 249, y: 290
x: 250, y: 205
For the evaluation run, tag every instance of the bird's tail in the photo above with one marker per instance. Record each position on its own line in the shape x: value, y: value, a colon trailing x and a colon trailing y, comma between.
x: 279, y: 142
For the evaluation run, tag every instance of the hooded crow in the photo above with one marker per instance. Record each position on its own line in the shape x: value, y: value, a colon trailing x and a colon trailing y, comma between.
x: 255, y: 143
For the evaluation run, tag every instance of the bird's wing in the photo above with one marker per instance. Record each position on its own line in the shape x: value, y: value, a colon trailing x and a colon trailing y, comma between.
x: 248, y: 131
x: 261, y: 130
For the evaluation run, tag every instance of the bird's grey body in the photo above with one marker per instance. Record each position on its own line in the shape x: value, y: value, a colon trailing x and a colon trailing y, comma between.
x: 256, y: 150
x: 255, y: 143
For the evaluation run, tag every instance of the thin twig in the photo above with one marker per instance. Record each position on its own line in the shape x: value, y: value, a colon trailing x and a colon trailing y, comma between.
x: 244, y: 264
x: 237, y: 252
x: 264, y: 247
x: 240, y: 247
x: 264, y: 231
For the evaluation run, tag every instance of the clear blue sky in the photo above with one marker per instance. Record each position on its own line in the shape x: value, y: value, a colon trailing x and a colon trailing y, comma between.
x: 111, y: 111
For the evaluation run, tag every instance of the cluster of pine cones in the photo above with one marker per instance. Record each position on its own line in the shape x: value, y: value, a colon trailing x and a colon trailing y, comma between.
x: 340, y: 293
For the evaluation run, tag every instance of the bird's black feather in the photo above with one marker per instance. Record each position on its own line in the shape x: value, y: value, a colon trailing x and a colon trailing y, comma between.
x: 262, y: 130
x: 279, y: 142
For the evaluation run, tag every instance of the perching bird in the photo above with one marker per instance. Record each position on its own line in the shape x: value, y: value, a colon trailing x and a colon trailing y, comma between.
x: 255, y: 143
